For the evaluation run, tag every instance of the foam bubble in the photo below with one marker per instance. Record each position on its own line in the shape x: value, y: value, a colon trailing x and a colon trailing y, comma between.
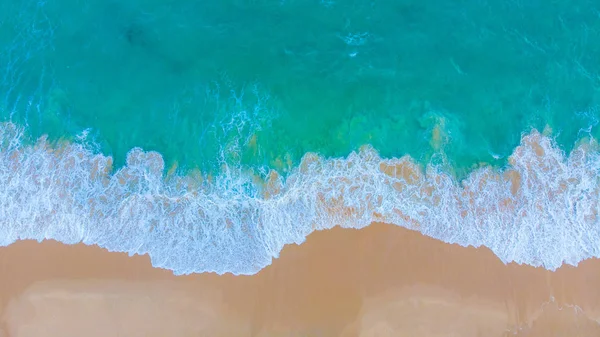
x: 541, y: 210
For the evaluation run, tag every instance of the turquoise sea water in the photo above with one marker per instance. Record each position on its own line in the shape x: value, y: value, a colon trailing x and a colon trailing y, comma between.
x: 211, y: 133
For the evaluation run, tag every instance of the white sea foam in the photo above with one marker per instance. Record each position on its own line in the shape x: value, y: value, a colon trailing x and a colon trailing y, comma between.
x: 540, y: 210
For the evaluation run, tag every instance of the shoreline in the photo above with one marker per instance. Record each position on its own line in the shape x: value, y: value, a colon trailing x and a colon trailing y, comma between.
x: 80, y: 200
x: 382, y: 280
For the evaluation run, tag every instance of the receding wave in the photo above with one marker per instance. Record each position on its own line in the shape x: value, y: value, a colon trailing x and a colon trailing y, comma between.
x: 542, y: 209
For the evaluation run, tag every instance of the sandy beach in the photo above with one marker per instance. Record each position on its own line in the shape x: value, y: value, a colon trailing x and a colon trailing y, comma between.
x: 379, y: 281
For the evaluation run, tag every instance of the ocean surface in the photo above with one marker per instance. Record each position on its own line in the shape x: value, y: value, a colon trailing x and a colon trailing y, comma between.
x: 209, y: 134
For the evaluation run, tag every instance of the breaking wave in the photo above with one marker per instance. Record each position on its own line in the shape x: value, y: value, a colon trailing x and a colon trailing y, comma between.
x: 541, y: 209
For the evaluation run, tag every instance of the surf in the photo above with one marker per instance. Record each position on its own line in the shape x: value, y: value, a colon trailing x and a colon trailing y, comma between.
x: 540, y: 209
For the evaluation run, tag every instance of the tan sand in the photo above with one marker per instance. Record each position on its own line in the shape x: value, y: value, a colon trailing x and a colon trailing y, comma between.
x: 378, y: 281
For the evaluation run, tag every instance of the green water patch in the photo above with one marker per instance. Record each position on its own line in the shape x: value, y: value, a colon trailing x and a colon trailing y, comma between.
x: 262, y: 83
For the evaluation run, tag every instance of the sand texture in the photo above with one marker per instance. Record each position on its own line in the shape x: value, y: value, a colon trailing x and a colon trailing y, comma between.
x: 379, y: 281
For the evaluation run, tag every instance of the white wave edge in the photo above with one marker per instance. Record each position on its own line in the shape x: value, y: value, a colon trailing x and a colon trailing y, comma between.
x: 541, y: 210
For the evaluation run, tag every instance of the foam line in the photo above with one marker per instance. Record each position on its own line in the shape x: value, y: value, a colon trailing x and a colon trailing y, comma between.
x: 542, y: 209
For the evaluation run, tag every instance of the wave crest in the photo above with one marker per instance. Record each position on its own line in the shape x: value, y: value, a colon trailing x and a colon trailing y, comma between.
x: 542, y: 209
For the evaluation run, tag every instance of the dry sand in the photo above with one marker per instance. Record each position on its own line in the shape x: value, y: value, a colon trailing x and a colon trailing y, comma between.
x: 379, y: 281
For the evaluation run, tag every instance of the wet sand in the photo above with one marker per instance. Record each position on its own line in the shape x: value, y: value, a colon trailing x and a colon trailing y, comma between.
x: 379, y: 281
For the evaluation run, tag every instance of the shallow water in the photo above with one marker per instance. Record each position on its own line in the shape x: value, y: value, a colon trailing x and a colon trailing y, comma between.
x: 264, y: 82
x: 266, y: 120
